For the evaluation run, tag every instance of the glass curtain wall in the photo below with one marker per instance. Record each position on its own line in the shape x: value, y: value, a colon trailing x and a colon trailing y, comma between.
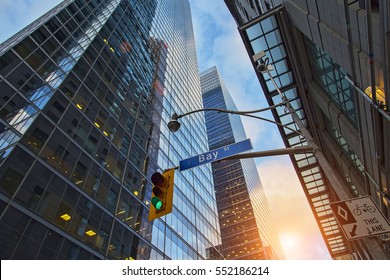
x: 247, y: 228
x: 87, y: 91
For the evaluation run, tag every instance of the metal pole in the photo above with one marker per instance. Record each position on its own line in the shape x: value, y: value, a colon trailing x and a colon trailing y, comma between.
x: 275, y: 152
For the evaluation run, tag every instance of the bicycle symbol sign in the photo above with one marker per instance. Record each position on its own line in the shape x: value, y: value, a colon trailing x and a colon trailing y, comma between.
x: 362, y: 209
x: 360, y: 217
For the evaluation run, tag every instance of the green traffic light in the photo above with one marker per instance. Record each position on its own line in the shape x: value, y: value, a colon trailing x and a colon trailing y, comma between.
x: 157, y: 203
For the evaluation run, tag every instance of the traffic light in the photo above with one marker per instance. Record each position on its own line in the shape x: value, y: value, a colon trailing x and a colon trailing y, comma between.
x: 162, y: 194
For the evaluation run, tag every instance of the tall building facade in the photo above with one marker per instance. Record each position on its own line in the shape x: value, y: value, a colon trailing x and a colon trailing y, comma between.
x: 86, y: 94
x: 246, y: 10
x: 331, y: 60
x: 247, y: 227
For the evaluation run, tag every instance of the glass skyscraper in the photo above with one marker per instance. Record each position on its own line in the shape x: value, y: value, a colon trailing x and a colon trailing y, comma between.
x: 86, y: 93
x: 247, y: 228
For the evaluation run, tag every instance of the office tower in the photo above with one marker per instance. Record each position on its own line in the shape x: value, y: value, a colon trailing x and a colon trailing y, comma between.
x: 86, y: 94
x: 247, y: 228
x: 246, y: 10
x: 331, y: 60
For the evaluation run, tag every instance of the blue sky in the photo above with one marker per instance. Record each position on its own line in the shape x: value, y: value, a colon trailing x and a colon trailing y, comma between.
x: 219, y: 44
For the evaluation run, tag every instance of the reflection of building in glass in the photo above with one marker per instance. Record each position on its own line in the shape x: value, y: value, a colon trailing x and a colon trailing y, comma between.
x: 313, y: 52
x: 86, y: 92
x: 247, y: 228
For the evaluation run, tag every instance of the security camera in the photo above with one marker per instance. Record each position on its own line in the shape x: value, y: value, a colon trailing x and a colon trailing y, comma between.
x: 261, y: 68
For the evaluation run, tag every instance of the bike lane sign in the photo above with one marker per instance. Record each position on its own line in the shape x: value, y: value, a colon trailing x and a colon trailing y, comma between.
x: 360, y: 217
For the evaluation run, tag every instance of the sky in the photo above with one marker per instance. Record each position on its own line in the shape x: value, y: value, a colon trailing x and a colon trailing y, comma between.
x: 219, y: 44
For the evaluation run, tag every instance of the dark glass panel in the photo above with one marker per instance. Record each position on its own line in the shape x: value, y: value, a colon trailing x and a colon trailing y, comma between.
x: 26, y: 47
x: 137, y: 156
x: 111, y: 200
x: 115, y: 249
x: 37, y: 134
x: 13, y: 171
x: 54, y: 151
x: 93, y: 139
x: 80, y: 170
x: 70, y: 86
x: 37, y: 59
x: 56, y: 107
x: 69, y: 160
x: 81, y: 69
x: 65, y: 211
x: 103, y: 236
x: 102, y: 187
x: 92, y: 182
x: 50, y: 199
x: 12, y: 226
x: 33, y: 88
x: 31, y: 241
x: 92, y: 80
x: 92, y: 108
x: 69, y: 251
x: 49, y: 70
x: 32, y: 190
x: 19, y: 75
x: 40, y: 35
x: 111, y: 161
x: 50, y: 246
x: 82, y: 98
x: 70, y: 120
x: 9, y: 102
x: 53, y: 25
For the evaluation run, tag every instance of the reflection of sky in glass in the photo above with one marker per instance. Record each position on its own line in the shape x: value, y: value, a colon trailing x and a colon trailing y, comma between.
x: 253, y: 32
x: 273, y: 38
x: 41, y: 96
x: 330, y: 77
x: 269, y: 24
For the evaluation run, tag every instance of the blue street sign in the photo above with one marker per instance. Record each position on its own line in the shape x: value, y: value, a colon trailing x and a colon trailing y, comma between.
x: 216, y: 154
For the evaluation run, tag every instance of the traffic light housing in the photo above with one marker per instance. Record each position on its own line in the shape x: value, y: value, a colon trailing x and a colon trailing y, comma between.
x: 162, y: 194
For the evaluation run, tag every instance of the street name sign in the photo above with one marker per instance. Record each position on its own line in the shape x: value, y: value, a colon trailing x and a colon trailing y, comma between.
x: 360, y: 218
x: 215, y: 155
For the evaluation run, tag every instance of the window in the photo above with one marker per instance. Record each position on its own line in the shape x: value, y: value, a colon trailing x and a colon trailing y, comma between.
x: 111, y: 200
x: 79, y: 173
x: 14, y: 170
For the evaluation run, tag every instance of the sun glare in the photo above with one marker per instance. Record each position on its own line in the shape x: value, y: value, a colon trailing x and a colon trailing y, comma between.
x: 289, y: 243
